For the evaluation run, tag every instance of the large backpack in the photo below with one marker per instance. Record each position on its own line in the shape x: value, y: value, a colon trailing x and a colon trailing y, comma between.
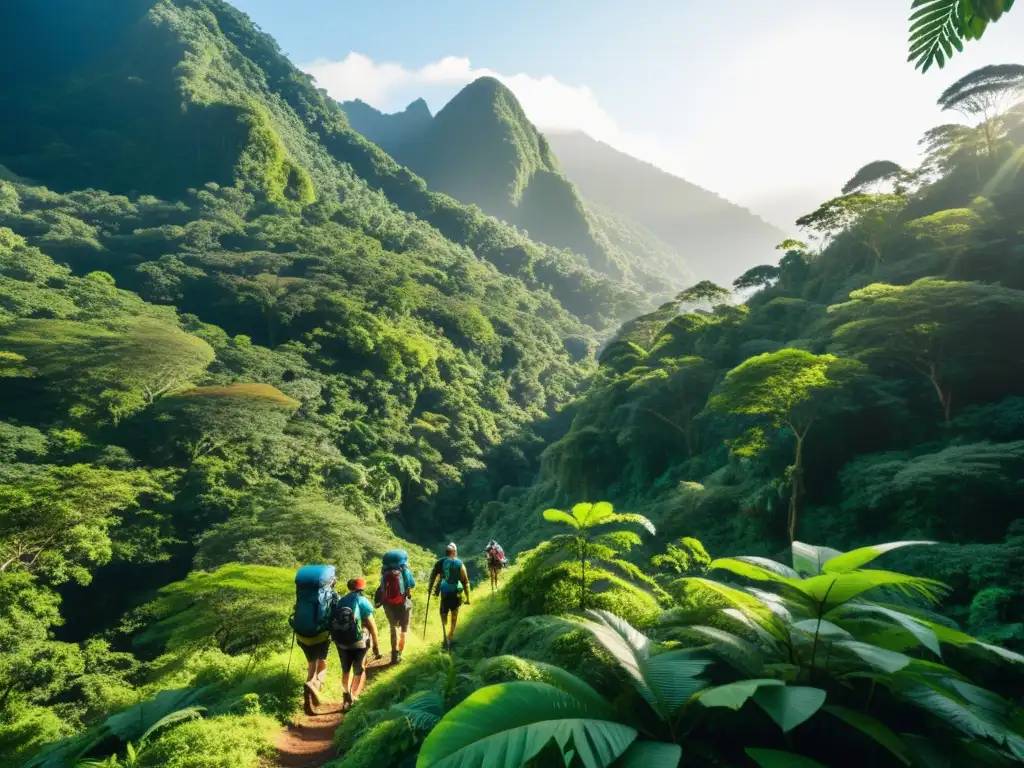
x: 392, y: 577
x: 347, y: 625
x: 451, y: 568
x: 314, y: 595
x: 497, y: 555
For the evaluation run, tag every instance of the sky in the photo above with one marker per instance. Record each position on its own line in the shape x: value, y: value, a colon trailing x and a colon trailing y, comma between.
x: 773, y: 104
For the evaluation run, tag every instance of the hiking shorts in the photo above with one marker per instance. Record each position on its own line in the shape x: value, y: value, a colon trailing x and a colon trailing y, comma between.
x: 316, y: 651
x: 399, y: 615
x: 352, y: 659
x: 450, y: 603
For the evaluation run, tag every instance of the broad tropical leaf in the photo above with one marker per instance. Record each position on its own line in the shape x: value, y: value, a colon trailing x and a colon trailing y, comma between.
x: 588, y: 515
x: 130, y: 724
x: 734, y: 695
x: 505, y: 725
x: 558, y: 516
x: 179, y: 716
x: 573, y: 685
x: 822, y: 628
x: 808, y: 559
x: 880, y: 658
x: 742, y: 655
x: 769, y: 565
x: 752, y: 624
x: 423, y: 710
x: 671, y: 679
x: 744, y: 602
x: 854, y: 559
x: 921, y: 631
x: 971, y: 720
x: 756, y: 571
x: 834, y: 589
x: 650, y: 754
x: 773, y: 758
x: 637, y: 640
x: 873, y: 728
x: 789, y: 705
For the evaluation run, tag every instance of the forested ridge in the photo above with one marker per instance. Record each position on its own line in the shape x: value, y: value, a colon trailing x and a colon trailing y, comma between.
x: 236, y: 337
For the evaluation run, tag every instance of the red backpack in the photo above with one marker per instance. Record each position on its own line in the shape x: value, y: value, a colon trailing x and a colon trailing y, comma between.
x: 394, y: 586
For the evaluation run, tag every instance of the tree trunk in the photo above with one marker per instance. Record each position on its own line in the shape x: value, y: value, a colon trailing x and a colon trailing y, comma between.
x: 796, y: 485
x: 945, y: 396
x: 583, y: 574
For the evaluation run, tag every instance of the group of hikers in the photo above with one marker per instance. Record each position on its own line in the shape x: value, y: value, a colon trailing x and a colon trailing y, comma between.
x: 321, y: 615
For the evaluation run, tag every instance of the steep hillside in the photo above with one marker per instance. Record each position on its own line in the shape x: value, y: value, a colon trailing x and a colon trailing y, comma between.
x: 234, y: 337
x: 718, y: 239
x: 482, y: 149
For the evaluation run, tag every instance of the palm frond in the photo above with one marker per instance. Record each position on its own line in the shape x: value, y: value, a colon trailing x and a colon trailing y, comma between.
x: 935, y: 30
x: 856, y: 558
x: 808, y: 559
x: 924, y: 634
x: 832, y: 590
x: 558, y: 516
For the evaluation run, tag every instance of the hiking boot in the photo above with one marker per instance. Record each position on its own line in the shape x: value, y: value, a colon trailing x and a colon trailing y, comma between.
x: 346, y: 702
x: 307, y: 703
x: 313, y: 693
x: 396, y: 656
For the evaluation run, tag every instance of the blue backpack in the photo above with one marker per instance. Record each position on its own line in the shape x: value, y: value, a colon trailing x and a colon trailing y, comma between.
x: 314, y: 599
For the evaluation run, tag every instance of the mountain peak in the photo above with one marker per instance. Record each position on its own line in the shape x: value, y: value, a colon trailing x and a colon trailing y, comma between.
x: 418, y: 109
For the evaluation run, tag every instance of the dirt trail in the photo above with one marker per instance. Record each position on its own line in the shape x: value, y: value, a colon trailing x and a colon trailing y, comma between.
x: 309, y: 743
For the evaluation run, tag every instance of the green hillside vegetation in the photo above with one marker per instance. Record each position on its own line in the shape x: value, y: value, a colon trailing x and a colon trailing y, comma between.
x: 482, y: 149
x: 861, y: 393
x: 717, y: 239
x: 236, y: 337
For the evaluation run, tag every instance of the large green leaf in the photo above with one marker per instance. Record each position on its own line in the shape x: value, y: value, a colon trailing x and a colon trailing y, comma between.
x: 773, y: 758
x: 879, y: 658
x: 822, y: 628
x: 650, y: 754
x: 834, y: 589
x: 503, y: 726
x: 638, y: 642
x: 924, y: 634
x: 873, y: 728
x: 854, y: 559
x: 965, y: 716
x: 742, y: 567
x: 790, y: 705
x: 130, y: 724
x: 742, y: 655
x: 808, y: 559
x: 574, y: 686
x: 734, y: 695
x: 558, y: 516
x: 671, y: 678
x: 769, y: 565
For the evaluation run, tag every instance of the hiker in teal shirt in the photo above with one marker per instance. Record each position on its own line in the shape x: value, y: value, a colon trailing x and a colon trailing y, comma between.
x: 453, y: 585
x: 350, y: 614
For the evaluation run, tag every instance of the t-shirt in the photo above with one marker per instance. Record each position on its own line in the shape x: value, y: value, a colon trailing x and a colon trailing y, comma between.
x: 449, y: 570
x: 363, y: 610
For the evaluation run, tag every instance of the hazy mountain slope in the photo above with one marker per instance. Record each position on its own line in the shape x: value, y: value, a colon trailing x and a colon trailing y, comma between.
x: 720, y: 240
x: 481, y: 148
x: 175, y: 95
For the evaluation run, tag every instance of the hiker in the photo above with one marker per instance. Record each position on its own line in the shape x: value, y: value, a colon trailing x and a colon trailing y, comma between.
x: 351, y: 613
x: 453, y: 583
x: 396, y: 584
x: 311, y: 621
x: 495, y: 561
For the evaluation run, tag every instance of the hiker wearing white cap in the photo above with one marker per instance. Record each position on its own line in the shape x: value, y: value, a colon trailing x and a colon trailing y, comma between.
x: 453, y: 587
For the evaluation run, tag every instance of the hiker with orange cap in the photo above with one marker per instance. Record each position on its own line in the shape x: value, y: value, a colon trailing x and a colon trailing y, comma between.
x: 351, y: 613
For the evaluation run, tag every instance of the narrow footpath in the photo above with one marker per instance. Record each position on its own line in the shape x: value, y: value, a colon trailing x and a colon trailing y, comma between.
x: 309, y: 743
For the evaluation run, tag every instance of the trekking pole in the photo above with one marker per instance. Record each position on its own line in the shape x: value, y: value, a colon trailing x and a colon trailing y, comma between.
x: 426, y: 617
x: 291, y: 652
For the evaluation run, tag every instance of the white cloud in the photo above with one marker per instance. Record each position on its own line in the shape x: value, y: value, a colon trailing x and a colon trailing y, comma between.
x: 549, y: 103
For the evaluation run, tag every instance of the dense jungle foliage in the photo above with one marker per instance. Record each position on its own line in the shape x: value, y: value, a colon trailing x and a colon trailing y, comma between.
x: 236, y: 337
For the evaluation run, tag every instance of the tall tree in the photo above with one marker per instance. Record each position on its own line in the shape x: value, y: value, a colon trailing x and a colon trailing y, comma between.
x: 788, y: 387
x: 931, y: 327
x: 873, y: 175
x: 868, y: 218
x: 939, y: 26
x: 984, y: 95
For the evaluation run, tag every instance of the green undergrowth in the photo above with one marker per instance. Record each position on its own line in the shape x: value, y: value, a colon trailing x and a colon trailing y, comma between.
x: 496, y: 641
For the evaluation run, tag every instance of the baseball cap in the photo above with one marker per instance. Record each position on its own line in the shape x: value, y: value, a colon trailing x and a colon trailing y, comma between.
x: 356, y: 584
